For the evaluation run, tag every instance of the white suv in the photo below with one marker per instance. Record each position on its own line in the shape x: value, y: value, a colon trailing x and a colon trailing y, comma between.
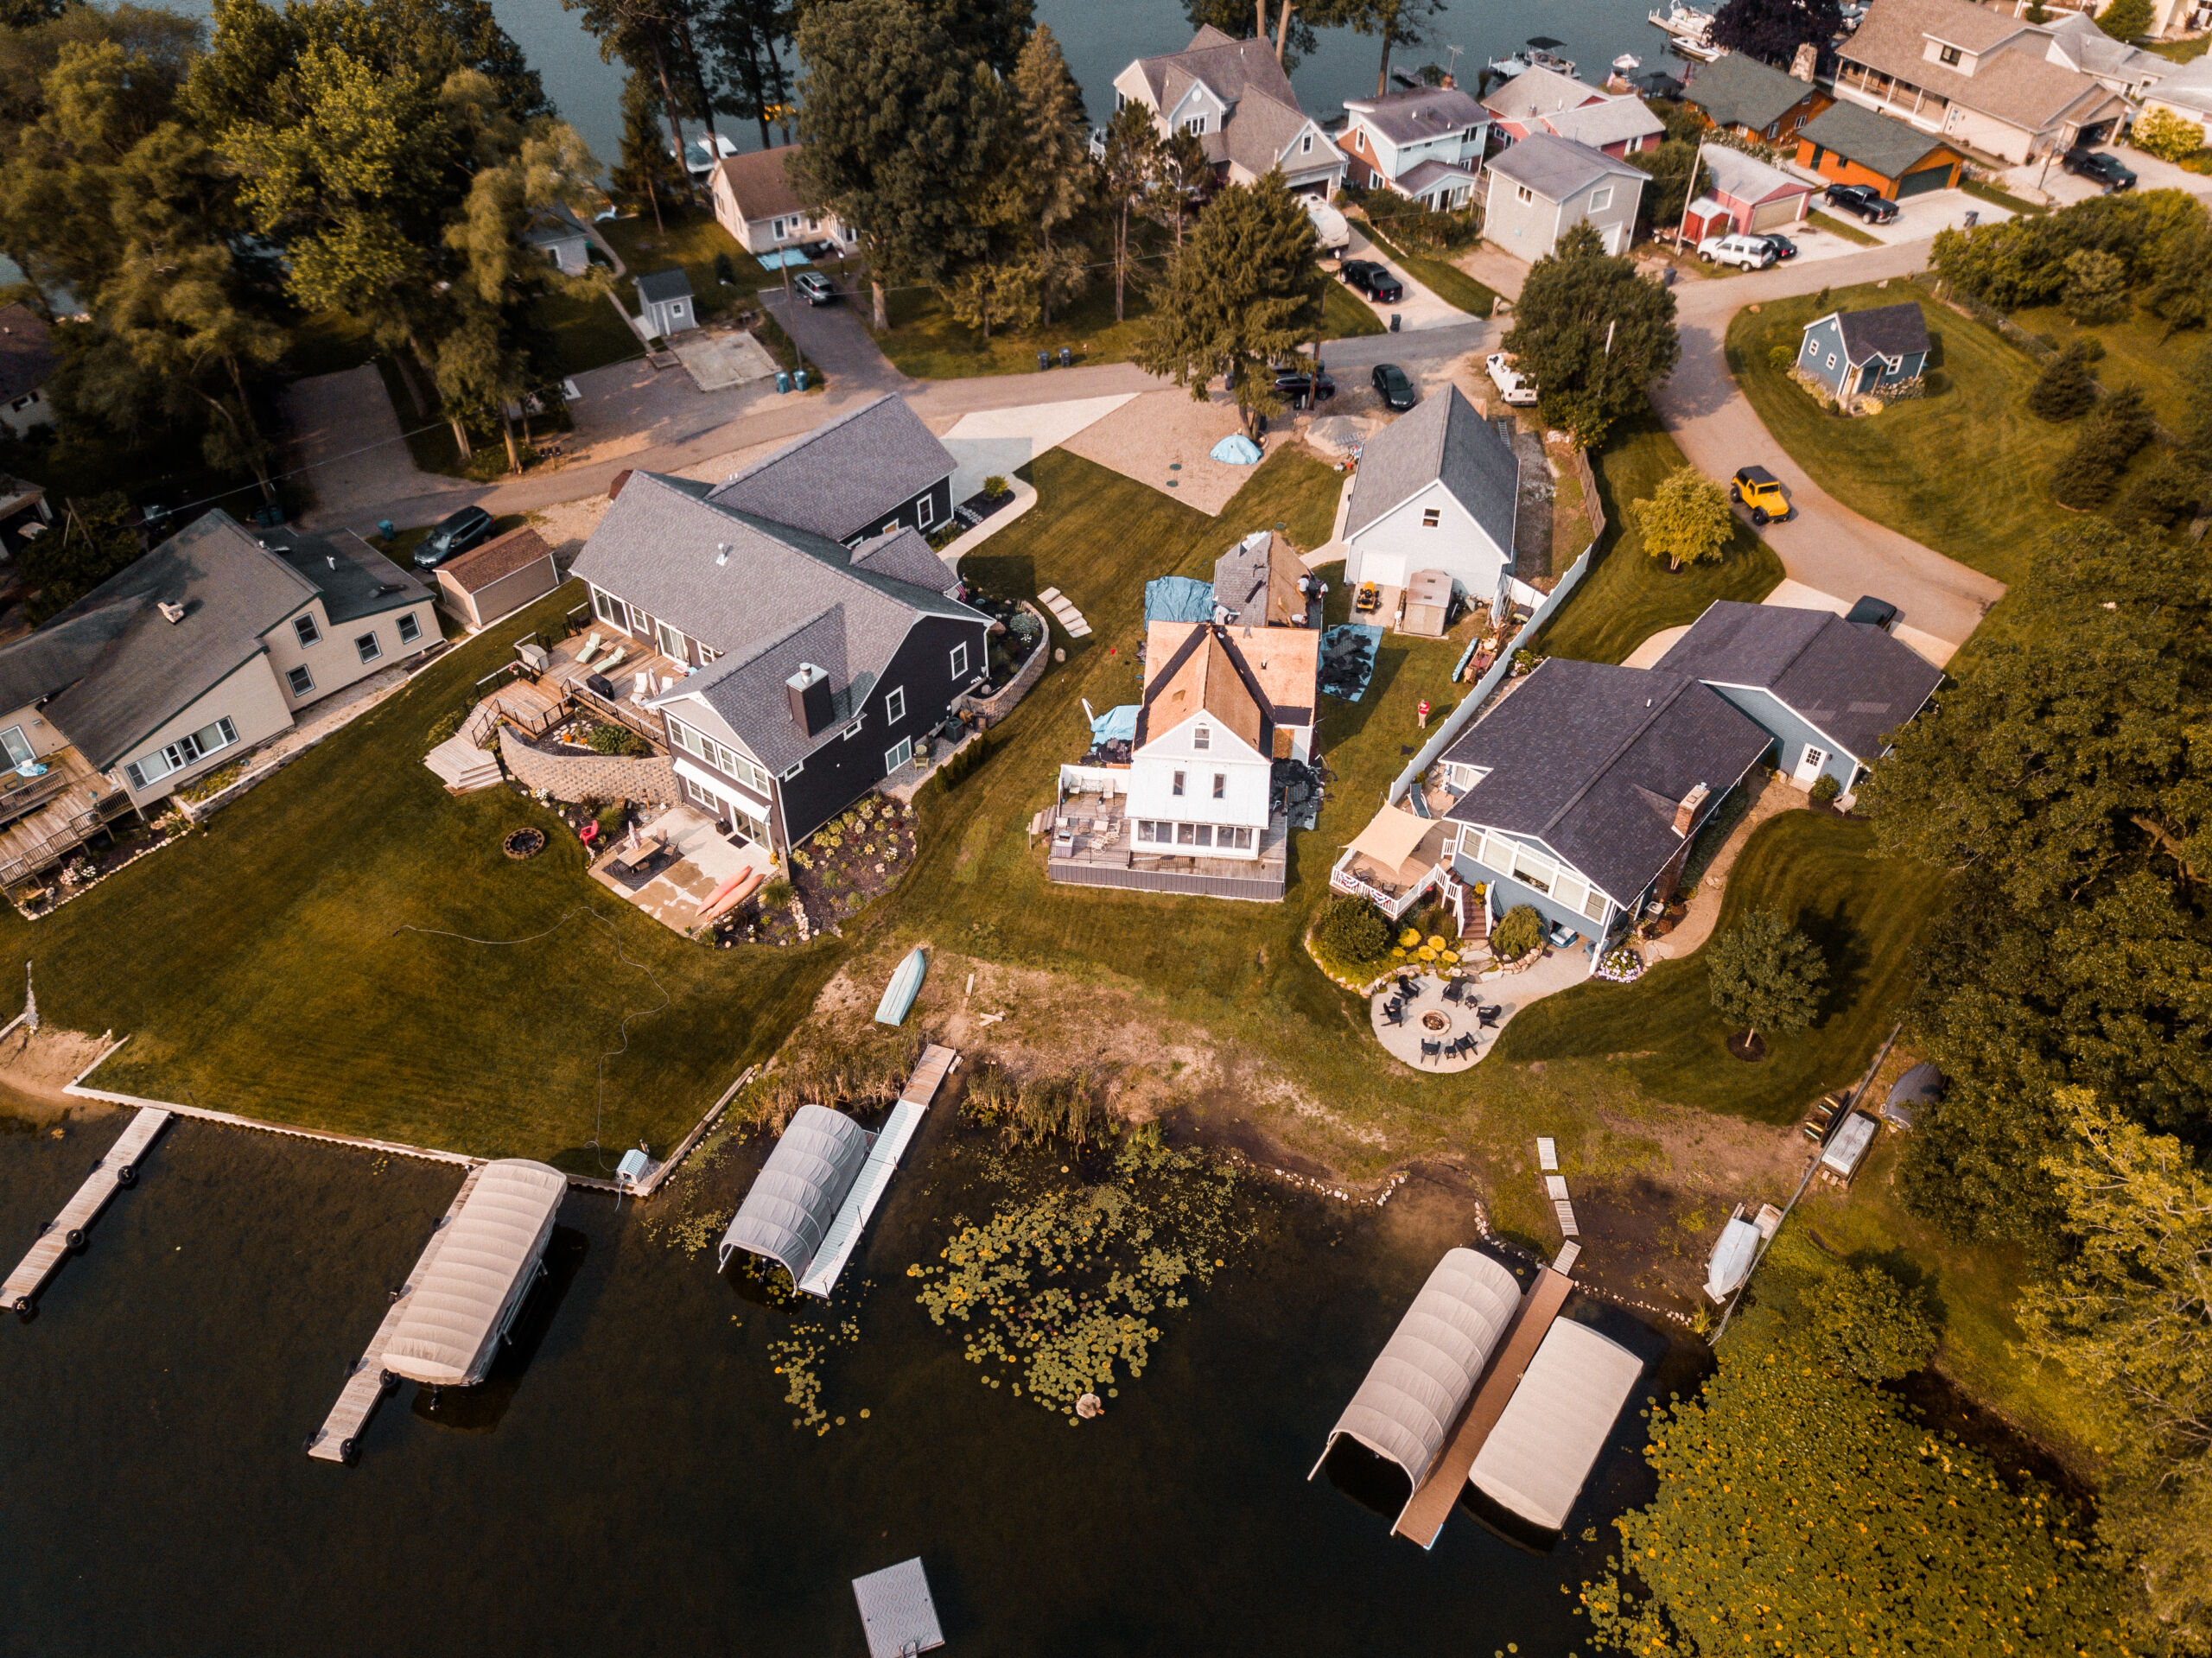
x: 1749, y: 252
x: 1514, y: 386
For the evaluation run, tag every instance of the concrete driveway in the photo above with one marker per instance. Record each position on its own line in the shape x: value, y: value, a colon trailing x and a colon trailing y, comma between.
x: 1419, y: 308
x: 2065, y: 189
x: 1920, y: 217
x: 1826, y: 546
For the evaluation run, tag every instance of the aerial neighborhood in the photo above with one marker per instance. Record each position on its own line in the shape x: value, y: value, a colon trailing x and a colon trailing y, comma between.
x: 1446, y: 781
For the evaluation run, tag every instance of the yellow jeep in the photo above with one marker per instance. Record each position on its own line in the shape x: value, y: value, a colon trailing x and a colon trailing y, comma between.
x: 1760, y: 490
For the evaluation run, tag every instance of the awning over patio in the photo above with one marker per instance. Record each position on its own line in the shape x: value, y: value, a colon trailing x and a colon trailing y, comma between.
x: 1392, y: 835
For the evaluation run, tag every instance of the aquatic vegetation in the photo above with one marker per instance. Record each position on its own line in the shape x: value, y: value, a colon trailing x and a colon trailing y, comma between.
x: 1036, y: 1110
x: 1057, y: 1290
x: 799, y: 1359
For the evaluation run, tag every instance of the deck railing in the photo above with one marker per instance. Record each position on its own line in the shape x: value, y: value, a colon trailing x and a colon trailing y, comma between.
x: 75, y: 833
x: 29, y: 793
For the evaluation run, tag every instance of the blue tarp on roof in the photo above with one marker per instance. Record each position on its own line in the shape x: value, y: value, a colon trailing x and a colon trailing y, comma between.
x: 783, y: 256
x: 1237, y: 450
x: 1178, y: 598
x: 1117, y: 725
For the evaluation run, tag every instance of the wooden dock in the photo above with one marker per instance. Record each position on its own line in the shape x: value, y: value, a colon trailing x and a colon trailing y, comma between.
x: 118, y: 1168
x: 1429, y: 1507
x: 874, y: 1177
x: 335, y: 1441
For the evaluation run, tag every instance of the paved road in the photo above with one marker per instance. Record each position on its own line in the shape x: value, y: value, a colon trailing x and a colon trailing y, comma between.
x: 1826, y: 545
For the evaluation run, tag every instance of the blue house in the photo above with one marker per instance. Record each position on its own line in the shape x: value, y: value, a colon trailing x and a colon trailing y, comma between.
x: 1855, y: 352
x: 1580, y: 794
x: 1829, y: 691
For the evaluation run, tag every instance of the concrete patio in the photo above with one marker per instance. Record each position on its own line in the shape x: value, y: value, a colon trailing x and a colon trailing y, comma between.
x: 705, y: 858
x: 1560, y: 969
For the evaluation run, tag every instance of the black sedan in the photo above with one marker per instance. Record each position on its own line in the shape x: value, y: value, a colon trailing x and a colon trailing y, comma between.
x: 1857, y: 199
x: 1397, y: 391
x: 453, y: 536
x: 1375, y: 280
x: 2099, y: 167
x: 1781, y: 246
x: 1301, y: 386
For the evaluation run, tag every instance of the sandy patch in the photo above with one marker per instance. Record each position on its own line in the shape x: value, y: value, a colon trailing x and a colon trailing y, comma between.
x: 567, y: 525
x: 34, y: 1070
x: 1165, y: 439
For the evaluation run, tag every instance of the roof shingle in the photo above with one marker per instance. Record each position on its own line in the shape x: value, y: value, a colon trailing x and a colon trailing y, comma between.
x: 1444, y: 438
x: 843, y: 477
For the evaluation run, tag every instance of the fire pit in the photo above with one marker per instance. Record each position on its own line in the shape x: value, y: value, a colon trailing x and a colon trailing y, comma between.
x: 524, y: 842
x: 1436, y: 1021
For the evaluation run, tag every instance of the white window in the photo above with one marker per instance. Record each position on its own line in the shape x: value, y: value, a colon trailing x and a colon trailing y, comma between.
x: 1178, y: 789
x: 1206, y: 834
x: 410, y: 629
x: 854, y: 729
x: 707, y: 654
x: 794, y: 770
x: 1187, y: 835
x: 309, y: 633
x: 369, y: 646
x: 185, y: 751
x: 1431, y: 516
x: 610, y: 608
x: 1305, y: 144
x: 1201, y: 737
x: 1196, y: 123
x: 894, y: 705
x: 671, y: 642
x: 1359, y: 140
x: 1121, y: 101
x: 1533, y: 871
x: 1602, y: 199
x: 898, y: 754
x: 1149, y: 833
x: 959, y: 660
x: 1220, y: 785
x: 1948, y: 54
x: 925, y: 511
x: 1594, y: 905
x: 640, y: 622
x: 302, y: 681
x: 1523, y: 193
x: 1831, y: 359
x: 1243, y: 838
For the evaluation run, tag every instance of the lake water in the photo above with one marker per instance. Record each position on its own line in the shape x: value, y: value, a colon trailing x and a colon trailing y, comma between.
x: 631, y: 1483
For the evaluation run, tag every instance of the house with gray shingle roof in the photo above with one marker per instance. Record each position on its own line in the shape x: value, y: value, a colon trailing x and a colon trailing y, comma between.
x: 1236, y: 99
x: 1546, y: 185
x: 862, y: 475
x: 795, y: 672
x: 1437, y: 489
x: 1580, y: 794
x: 28, y: 360
x: 1739, y: 94
x: 1427, y: 144
x: 1852, y: 353
x: 1829, y: 691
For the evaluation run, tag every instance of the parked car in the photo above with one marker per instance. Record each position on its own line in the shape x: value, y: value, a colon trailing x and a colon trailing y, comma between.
x: 814, y: 288
x: 1512, y: 385
x: 1865, y: 203
x: 1782, y: 246
x: 2099, y: 167
x: 453, y: 536
x: 1397, y: 391
x: 1375, y: 280
x: 1760, y: 490
x: 1301, y: 386
x: 1744, y: 253
x: 1874, y: 612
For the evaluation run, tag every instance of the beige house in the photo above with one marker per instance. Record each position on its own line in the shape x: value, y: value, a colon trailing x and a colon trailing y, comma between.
x: 756, y: 202
x: 1234, y: 97
x: 212, y: 643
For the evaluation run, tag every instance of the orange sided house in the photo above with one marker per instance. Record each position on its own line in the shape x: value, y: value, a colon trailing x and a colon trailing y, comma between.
x: 1847, y: 144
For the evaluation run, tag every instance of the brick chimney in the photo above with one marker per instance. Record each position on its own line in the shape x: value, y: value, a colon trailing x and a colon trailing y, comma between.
x: 1686, y: 813
x: 809, y: 694
x: 1800, y: 67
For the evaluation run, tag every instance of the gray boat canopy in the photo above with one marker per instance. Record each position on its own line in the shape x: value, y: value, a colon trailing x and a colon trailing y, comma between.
x: 1427, y: 1372
x: 798, y: 1190
x: 1549, y: 1437
x: 486, y: 1259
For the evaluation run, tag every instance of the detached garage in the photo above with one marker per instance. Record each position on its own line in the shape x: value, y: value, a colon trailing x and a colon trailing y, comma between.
x: 1849, y: 144
x: 500, y: 577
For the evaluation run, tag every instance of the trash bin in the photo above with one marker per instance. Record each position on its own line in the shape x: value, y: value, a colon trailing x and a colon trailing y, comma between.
x: 798, y: 381
x: 1067, y: 358
x: 1394, y: 322
x: 386, y: 528
x: 783, y: 381
x: 1044, y: 361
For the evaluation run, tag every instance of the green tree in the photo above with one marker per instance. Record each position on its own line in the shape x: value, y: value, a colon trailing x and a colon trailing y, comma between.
x: 1764, y: 975
x: 1243, y: 294
x: 2114, y: 433
x: 902, y: 132
x: 1686, y: 519
x: 1290, y: 26
x: 1518, y: 931
x: 1394, y: 22
x: 2125, y: 20
x: 2096, y: 286
x: 1594, y: 333
x: 92, y: 541
x: 1772, y: 30
x: 2196, y: 447
x: 2180, y: 291
x: 2169, y: 136
x: 2065, y: 390
x: 1181, y: 176
x: 1127, y: 178
x: 1672, y: 166
x: 655, y: 36
x: 744, y: 41
x: 1051, y: 165
x: 1355, y: 931
x: 1869, y: 1325
x: 646, y: 172
x: 1802, y: 1512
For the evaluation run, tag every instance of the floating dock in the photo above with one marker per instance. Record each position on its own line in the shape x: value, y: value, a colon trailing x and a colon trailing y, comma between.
x: 1433, y: 1501
x: 118, y: 1168
x: 896, y: 1611
x: 357, y: 1401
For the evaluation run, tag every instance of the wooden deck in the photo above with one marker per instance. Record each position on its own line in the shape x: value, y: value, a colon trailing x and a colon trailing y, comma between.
x: 1429, y: 1507
x: 47, y: 819
x: 566, y: 675
x: 1093, y: 845
x: 844, y: 1234
x: 108, y: 1175
x: 340, y: 1433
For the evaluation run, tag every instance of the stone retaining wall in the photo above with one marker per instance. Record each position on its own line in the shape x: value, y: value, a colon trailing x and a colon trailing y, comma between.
x: 600, y: 776
x: 995, y: 706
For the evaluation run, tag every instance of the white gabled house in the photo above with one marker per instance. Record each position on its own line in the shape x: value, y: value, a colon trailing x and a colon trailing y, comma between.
x: 1236, y: 99
x: 1426, y: 144
x: 1438, y: 489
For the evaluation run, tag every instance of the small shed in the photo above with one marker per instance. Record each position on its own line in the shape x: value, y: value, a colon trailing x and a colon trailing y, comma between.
x: 664, y: 301
x: 557, y: 234
x: 1538, y: 1457
x: 1752, y: 195
x: 1428, y: 604
x: 486, y: 1260
x: 498, y: 578
x: 1848, y: 1149
x: 1854, y: 352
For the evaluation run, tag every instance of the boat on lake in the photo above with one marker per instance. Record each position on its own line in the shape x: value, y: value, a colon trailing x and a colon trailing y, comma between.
x: 1689, y: 31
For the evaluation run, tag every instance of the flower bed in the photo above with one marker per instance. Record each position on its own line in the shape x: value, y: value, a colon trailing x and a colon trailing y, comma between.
x: 845, y: 866
x: 1621, y: 966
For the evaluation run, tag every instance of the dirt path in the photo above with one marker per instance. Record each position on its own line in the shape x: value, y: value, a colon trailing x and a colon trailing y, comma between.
x: 1775, y: 796
x: 34, y: 1070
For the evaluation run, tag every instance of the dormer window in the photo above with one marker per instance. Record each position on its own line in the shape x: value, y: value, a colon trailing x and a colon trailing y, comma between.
x: 1305, y: 144
x: 1948, y: 54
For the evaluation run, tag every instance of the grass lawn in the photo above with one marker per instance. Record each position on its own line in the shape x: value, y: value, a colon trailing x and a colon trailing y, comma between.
x: 587, y: 333
x: 1844, y: 228
x: 688, y: 237
x: 1444, y: 279
x: 2140, y: 352
x: 1965, y: 470
x: 2019, y: 205
x: 264, y: 966
x: 1630, y: 596
x: 1821, y: 872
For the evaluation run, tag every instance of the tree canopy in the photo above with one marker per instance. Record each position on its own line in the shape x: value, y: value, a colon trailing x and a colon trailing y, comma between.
x: 1594, y: 333
x: 1685, y: 520
x: 1772, y: 30
x: 1764, y: 975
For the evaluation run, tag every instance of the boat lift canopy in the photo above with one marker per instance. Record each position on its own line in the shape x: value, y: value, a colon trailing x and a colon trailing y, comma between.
x: 488, y: 1257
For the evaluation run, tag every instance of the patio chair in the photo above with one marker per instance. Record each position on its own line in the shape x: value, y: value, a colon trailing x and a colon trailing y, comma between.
x: 590, y: 650
x: 614, y: 659
x: 1407, y: 988
x: 1455, y: 991
x: 1466, y: 1042
x: 1432, y: 1049
x: 1487, y: 1018
x: 1394, y: 1013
